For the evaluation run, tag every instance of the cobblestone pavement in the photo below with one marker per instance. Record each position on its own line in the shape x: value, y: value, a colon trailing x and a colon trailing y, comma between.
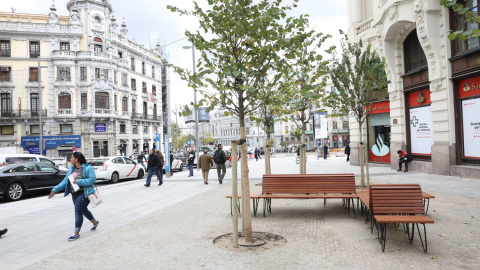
x: 180, y: 236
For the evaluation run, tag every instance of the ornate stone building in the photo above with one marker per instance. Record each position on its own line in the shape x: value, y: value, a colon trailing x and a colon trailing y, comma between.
x: 433, y: 100
x: 102, y: 92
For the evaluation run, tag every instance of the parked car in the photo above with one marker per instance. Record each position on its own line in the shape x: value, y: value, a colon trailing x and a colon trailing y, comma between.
x: 177, y: 164
x: 115, y: 168
x: 20, y: 158
x: 18, y: 178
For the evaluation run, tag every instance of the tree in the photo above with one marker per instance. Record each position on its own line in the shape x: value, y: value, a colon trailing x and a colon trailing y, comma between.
x: 184, y: 139
x: 208, y: 139
x: 243, y: 41
x: 176, y: 134
x: 307, y: 79
x: 359, y: 77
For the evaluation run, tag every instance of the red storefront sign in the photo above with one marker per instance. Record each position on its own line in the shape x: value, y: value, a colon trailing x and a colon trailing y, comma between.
x: 469, y: 87
x: 419, y: 98
x: 379, y: 107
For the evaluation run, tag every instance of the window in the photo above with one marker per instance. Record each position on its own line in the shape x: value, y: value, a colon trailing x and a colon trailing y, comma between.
x: 6, y: 130
x: 134, y: 129
x: 129, y: 161
x: 134, y: 106
x: 120, y: 54
x: 153, y: 72
x: 155, y: 129
x: 97, y: 48
x: 118, y: 160
x: 133, y: 84
x: 66, y: 128
x: 45, y: 167
x: 286, y: 139
x: 247, y: 130
x: 145, y: 129
x: 123, y: 129
x: 115, y: 103
x: 460, y: 23
x: 34, y: 129
x: 144, y: 87
x: 34, y: 104
x: 105, y: 74
x: 34, y: 49
x: 154, y: 89
x: 83, y: 74
x: 334, y: 124
x: 97, y: 73
x: 24, y: 168
x: 125, y: 104
x: 5, y: 49
x: 286, y: 129
x: 33, y: 74
x: 414, y: 55
x: 83, y: 101
x: 345, y: 124
x: 144, y: 70
x: 293, y: 129
x: 64, y: 101
x: 311, y: 126
x: 115, y: 77
x: 63, y: 74
x: 64, y: 46
x: 101, y: 100
x: 6, y: 100
x: 5, y: 74
x: 124, y: 79
x: 132, y: 64
x: 145, y: 108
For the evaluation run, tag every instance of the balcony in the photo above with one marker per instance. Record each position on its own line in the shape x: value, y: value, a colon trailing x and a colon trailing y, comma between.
x: 5, y: 53
x: 63, y: 55
x: 64, y: 112
x: 22, y: 113
x: 20, y: 26
x: 104, y: 111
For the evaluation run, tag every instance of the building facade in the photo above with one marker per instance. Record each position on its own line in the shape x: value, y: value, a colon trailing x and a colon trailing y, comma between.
x: 433, y: 101
x: 102, y: 92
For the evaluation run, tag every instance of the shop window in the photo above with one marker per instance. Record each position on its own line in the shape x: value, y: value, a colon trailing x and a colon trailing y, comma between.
x: 6, y: 130
x: 66, y: 128
x: 420, y: 125
x: 34, y: 49
x: 33, y: 74
x: 100, y: 148
x: 379, y: 132
x: 123, y: 129
x: 83, y: 74
x: 5, y: 49
x: 414, y: 56
x: 469, y: 125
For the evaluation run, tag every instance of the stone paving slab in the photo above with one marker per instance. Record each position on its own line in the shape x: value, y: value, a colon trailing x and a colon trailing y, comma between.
x: 180, y: 237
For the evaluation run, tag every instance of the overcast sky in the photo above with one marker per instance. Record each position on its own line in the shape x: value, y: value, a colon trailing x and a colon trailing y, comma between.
x: 143, y: 16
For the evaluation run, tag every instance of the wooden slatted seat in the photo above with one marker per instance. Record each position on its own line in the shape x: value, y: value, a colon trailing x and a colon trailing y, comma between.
x: 255, y: 196
x: 399, y: 204
x: 308, y: 186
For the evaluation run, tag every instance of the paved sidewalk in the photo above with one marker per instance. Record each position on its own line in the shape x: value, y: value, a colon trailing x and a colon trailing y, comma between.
x: 180, y: 236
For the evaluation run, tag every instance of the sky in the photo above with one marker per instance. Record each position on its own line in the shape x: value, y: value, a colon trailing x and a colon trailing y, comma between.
x: 143, y: 16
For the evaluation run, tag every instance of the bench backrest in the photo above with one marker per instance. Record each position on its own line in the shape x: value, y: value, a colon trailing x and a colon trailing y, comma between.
x: 396, y: 199
x: 308, y: 183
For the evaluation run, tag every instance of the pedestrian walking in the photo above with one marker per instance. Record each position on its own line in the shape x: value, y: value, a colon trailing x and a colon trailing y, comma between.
x: 256, y: 153
x: 204, y: 163
x: 403, y: 157
x: 141, y: 157
x: 2, y: 232
x: 84, y: 175
x: 347, y: 152
x: 152, y: 164
x: 171, y: 162
x: 191, y: 160
x: 325, y: 151
x: 160, y: 167
x: 220, y: 158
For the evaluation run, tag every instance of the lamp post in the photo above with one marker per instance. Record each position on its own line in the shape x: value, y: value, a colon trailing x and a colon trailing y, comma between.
x: 195, y: 104
x: 40, y: 101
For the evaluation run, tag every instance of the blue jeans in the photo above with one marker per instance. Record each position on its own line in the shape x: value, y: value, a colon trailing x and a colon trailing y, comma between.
x: 191, y: 169
x: 81, y: 204
x: 157, y: 172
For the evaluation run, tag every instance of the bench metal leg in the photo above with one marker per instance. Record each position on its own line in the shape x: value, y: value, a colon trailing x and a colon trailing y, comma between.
x: 231, y: 206
x: 383, y: 235
x: 420, y: 235
x: 264, y: 206
x: 255, y: 206
x: 353, y: 207
x: 427, y: 200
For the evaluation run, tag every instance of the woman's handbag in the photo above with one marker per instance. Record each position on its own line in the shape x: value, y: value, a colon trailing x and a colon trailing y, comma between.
x: 94, y: 198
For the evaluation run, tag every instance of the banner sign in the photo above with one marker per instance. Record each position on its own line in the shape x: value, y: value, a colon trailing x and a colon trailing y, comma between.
x: 421, y: 133
x: 52, y: 142
x: 100, y: 127
x: 320, y: 125
x: 167, y: 154
x: 157, y: 142
x: 471, y: 127
x: 379, y: 107
x: 202, y: 114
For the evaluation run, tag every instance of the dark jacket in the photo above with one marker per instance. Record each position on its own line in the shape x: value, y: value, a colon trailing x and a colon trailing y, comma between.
x: 153, y: 161
x: 171, y: 159
x: 256, y: 152
x: 160, y: 162
x: 191, y: 157
x: 140, y: 158
x: 221, y: 154
x: 347, y: 150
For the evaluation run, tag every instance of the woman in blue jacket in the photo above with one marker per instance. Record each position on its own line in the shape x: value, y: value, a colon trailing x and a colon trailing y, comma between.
x: 85, y: 178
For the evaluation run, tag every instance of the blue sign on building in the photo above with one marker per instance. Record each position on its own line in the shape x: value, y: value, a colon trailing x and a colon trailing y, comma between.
x: 100, y: 127
x: 157, y: 142
x: 31, y: 143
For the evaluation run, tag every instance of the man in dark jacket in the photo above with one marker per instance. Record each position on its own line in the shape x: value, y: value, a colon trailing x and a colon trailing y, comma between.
x: 191, y: 160
x: 220, y: 158
x: 325, y: 151
x: 171, y: 162
x: 347, y: 152
x: 153, y: 161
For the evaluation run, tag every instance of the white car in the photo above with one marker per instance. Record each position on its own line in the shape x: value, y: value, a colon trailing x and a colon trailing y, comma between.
x: 116, y: 168
x: 177, y: 164
x: 19, y: 158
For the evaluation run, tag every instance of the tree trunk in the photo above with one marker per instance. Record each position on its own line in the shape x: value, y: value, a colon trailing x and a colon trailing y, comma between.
x: 267, y: 156
x: 362, y: 154
x: 303, y: 153
x: 247, y: 216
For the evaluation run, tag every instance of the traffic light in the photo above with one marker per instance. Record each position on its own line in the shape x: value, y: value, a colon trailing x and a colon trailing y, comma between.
x: 257, y: 139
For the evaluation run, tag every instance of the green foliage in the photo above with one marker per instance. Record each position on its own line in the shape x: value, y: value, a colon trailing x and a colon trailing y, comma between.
x: 183, y: 141
x: 208, y: 139
x: 359, y: 76
x: 470, y: 16
x: 176, y: 133
x: 297, y: 133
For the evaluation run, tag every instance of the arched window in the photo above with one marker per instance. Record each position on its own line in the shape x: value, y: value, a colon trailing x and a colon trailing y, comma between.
x: 413, y: 53
x: 97, y: 39
x: 102, y: 100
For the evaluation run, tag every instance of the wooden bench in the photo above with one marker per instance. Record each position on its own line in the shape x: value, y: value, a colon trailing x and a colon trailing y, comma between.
x: 399, y: 204
x: 308, y: 186
x: 255, y: 196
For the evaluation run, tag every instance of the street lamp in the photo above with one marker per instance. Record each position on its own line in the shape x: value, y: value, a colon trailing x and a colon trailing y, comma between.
x: 40, y: 101
x: 195, y: 103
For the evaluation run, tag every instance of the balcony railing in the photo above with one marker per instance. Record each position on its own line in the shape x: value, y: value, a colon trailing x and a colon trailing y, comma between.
x: 146, y: 116
x: 6, y: 53
x: 64, y: 111
x: 124, y: 113
x: 22, y: 113
x: 103, y: 111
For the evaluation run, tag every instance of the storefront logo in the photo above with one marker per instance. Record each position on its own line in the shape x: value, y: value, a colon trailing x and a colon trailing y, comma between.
x: 380, y: 149
x: 466, y: 88
x: 414, y: 121
x: 420, y: 98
